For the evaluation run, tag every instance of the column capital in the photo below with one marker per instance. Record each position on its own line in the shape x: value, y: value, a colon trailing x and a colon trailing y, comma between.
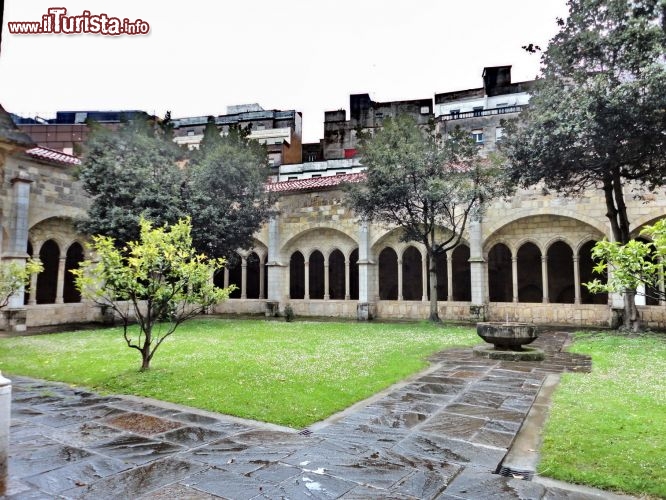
x: 21, y: 177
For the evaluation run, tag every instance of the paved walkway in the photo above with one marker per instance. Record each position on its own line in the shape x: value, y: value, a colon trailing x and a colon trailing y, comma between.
x: 443, y: 434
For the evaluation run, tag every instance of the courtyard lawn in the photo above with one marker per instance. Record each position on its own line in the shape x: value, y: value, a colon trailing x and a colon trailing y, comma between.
x: 608, y: 428
x: 287, y: 373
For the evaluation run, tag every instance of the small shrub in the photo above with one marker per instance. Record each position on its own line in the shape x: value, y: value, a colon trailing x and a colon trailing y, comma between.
x: 288, y: 313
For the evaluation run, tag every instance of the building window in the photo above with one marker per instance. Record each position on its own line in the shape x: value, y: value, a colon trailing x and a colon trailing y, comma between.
x: 425, y: 110
x: 190, y: 133
x: 292, y: 178
x: 499, y: 133
x: 477, y: 135
x: 478, y: 110
x: 316, y: 175
x: 455, y: 112
x: 341, y: 173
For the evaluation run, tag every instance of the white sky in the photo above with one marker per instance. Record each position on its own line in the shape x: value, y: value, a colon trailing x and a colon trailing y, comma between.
x: 307, y: 55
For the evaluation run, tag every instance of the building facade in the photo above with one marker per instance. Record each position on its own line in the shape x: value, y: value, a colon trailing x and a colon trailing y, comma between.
x: 280, y: 131
x: 527, y: 259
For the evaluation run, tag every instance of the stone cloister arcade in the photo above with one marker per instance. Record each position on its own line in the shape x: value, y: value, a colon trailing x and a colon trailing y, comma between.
x: 328, y: 264
x: 526, y: 260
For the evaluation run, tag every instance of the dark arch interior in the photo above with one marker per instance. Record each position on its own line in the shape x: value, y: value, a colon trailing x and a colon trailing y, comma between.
x: 297, y: 276
x: 72, y: 261
x: 388, y: 274
x: 560, y: 274
x: 530, y: 285
x: 47, y: 280
x: 500, y: 288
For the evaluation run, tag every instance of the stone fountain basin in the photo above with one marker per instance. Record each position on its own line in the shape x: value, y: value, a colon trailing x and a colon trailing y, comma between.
x: 507, y: 335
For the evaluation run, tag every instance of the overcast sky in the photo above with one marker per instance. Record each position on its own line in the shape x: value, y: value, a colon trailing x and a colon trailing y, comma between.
x: 308, y: 55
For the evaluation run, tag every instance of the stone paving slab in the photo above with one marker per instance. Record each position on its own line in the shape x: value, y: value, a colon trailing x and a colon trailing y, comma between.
x: 441, y: 435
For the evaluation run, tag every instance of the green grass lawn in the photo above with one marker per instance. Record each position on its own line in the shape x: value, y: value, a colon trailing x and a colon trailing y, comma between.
x: 287, y: 373
x: 608, y: 428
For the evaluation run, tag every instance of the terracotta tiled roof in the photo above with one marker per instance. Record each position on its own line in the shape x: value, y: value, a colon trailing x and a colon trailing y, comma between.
x: 42, y: 153
x: 314, y: 183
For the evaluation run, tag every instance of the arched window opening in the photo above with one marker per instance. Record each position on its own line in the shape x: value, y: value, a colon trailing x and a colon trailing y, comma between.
x: 353, y: 275
x: 253, y: 276
x: 442, y: 272
x: 235, y: 275
x: 297, y: 276
x: 500, y: 288
x: 530, y: 284
x: 388, y: 274
x: 561, y: 286
x: 316, y: 275
x: 336, y: 275
x: 73, y: 261
x: 47, y: 280
x: 412, y: 275
x: 462, y: 275
x: 585, y: 266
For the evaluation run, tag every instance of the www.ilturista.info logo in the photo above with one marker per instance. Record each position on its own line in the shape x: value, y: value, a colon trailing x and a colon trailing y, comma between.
x: 58, y: 22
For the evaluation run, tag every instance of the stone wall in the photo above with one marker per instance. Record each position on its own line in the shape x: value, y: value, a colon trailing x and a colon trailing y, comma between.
x: 60, y: 314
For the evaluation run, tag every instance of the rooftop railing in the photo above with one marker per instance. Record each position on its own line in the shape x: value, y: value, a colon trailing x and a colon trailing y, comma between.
x: 483, y: 112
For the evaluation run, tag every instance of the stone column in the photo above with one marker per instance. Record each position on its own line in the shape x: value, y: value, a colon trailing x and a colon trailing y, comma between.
x: 60, y: 284
x: 400, y: 279
x: 367, y: 281
x: 262, y: 270
x: 544, y: 278
x: 243, y: 278
x: 449, y: 275
x: 327, y: 295
x: 514, y: 277
x: 274, y: 267
x: 424, y: 278
x: 576, y: 280
x: 307, y: 280
x: 477, y: 264
x: 662, y: 291
x: 17, y: 229
x: 226, y: 277
x: 5, y: 407
x: 347, y: 279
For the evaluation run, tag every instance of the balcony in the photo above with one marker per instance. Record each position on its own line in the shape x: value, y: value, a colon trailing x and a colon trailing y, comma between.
x: 483, y: 112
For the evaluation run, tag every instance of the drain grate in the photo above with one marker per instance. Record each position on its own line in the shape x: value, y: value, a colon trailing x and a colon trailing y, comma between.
x: 524, y: 474
x: 305, y: 432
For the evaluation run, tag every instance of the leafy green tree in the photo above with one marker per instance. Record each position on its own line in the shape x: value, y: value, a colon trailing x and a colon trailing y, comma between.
x: 159, y: 281
x: 14, y: 277
x: 427, y: 185
x: 129, y: 173
x: 211, y: 136
x: 596, y: 118
x: 227, y: 198
x: 634, y: 265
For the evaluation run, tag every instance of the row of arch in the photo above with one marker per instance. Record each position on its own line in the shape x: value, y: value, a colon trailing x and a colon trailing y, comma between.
x: 55, y: 284
x: 526, y: 275
x: 558, y: 276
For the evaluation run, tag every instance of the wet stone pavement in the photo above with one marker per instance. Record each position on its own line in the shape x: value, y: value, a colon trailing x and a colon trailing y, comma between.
x: 442, y: 434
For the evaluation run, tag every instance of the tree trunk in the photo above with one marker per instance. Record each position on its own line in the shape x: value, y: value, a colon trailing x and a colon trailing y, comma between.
x: 616, y: 212
x: 632, y: 321
x: 434, y: 315
x: 145, y: 352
